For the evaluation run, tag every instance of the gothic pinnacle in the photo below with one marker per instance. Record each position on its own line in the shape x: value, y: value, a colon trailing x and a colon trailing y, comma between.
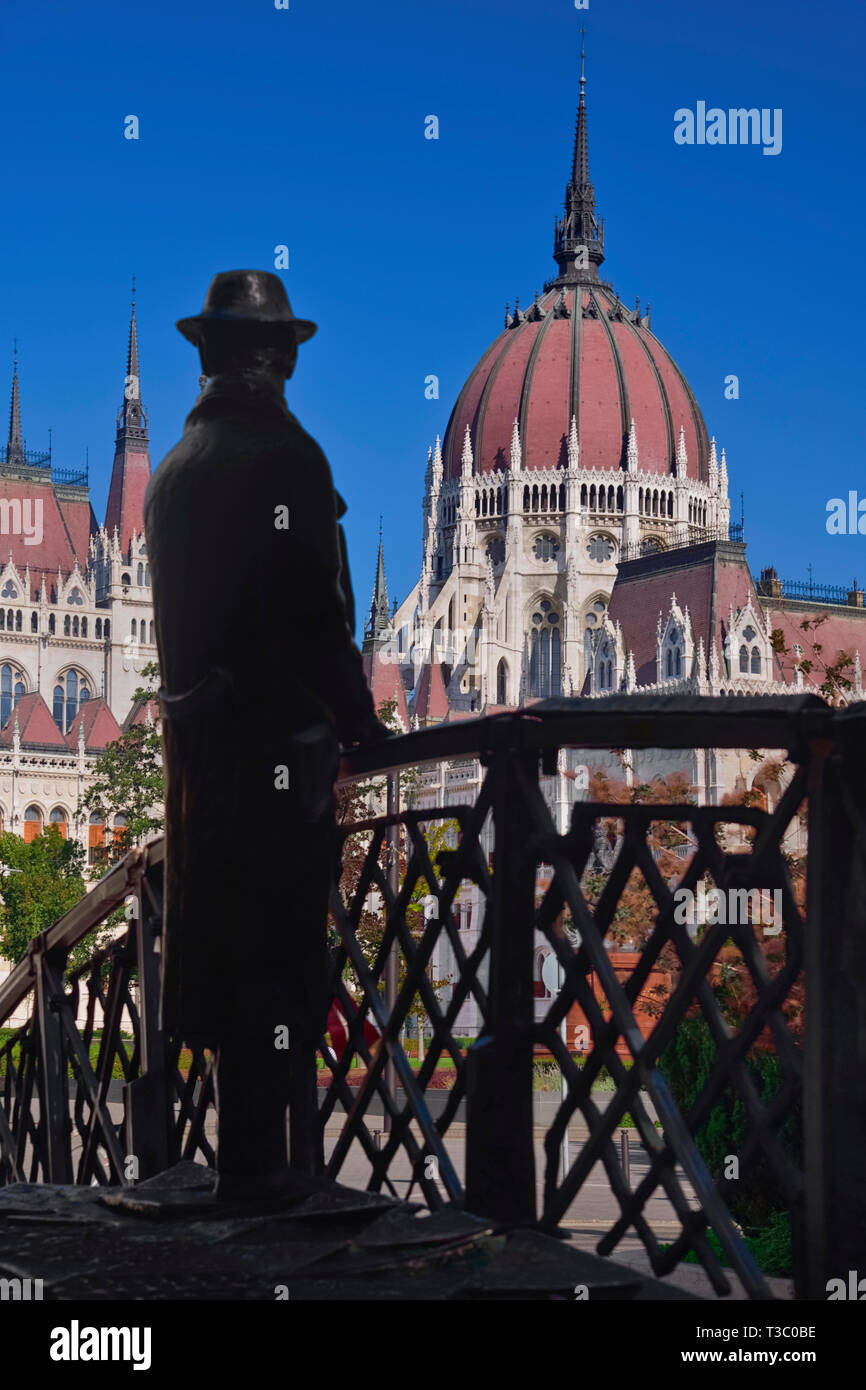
x: 515, y: 448
x: 631, y: 453
x: 15, y: 444
x: 573, y: 445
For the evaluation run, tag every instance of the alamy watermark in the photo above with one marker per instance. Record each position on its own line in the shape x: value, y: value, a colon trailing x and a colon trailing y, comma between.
x: 737, y: 126
x: 729, y: 907
x: 21, y: 518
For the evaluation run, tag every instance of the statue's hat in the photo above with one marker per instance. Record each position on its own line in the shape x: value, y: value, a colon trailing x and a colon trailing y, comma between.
x: 252, y: 299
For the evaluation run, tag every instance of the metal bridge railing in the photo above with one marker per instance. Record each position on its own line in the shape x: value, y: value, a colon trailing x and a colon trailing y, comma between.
x: 55, y: 1123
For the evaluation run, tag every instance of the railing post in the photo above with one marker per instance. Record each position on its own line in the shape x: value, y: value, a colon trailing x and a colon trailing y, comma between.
x: 146, y: 1099
x: 392, y: 964
x: 54, y: 1120
x: 834, y: 1102
x: 500, y: 1156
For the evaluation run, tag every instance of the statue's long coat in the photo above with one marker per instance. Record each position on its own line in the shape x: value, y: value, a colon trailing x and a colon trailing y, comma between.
x: 265, y: 608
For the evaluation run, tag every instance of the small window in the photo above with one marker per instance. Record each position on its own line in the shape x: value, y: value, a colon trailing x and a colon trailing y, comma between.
x: 546, y: 548
x: 600, y: 548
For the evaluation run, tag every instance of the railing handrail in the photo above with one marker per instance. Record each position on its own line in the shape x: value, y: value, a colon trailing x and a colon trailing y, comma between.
x: 617, y: 721
x: 82, y: 917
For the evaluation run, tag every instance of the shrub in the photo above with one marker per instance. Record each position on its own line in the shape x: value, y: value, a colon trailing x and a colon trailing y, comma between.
x: 758, y: 1199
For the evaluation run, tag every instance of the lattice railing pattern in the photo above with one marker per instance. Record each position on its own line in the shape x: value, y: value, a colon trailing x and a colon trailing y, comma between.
x: 60, y: 1120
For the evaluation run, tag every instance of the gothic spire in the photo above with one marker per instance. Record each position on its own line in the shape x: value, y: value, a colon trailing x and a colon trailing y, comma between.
x: 15, y: 444
x: 130, y: 473
x: 131, y: 417
x: 379, y: 619
x: 579, y: 239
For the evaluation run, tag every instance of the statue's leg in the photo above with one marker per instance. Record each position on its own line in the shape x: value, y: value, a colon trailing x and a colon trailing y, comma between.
x: 252, y: 1085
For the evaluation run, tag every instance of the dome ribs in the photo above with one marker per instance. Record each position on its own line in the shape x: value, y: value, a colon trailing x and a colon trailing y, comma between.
x: 574, y: 383
x: 498, y: 408
x: 698, y: 445
x: 649, y: 406
x: 523, y: 408
x: 624, y: 409
x: 458, y: 418
x: 663, y: 398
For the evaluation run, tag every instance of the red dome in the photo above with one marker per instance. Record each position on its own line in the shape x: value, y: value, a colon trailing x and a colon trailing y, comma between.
x: 602, y: 365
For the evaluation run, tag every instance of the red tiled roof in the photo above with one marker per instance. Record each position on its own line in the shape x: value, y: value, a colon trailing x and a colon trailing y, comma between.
x: 65, y: 531
x: 843, y: 631
x: 35, y: 724
x: 383, y: 678
x: 99, y: 725
x: 129, y: 479
x: 431, y: 701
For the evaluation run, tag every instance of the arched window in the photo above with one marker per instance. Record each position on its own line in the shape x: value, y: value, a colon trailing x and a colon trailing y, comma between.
x: 678, y: 662
x: 51, y: 623
x: 526, y: 499
x: 545, y: 652
x: 59, y: 818
x: 34, y: 622
x: 133, y: 630
x: 744, y: 659
x: 669, y: 663
x: 583, y: 495
x: 99, y: 627
x: 32, y: 823
x: 106, y: 628
x: 119, y: 836
x: 125, y: 579
x: 592, y: 506
x: 756, y: 662
x: 75, y: 632
x: 619, y: 500
x: 151, y: 626
x: 139, y: 574
x: 501, y: 682
x: 95, y: 838
x: 670, y: 504
x: 11, y: 690
x: 67, y: 626
x: 70, y: 693
x: 83, y: 627
x: 535, y: 498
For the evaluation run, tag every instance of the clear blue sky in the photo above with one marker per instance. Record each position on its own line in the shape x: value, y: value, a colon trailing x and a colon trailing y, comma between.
x: 306, y: 127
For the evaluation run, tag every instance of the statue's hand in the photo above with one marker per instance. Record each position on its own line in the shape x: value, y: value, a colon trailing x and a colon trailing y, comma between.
x: 370, y: 731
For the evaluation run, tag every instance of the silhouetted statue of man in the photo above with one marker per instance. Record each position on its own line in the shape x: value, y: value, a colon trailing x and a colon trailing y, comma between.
x: 261, y: 678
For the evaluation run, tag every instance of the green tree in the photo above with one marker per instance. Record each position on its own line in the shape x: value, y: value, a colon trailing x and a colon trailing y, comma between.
x: 128, y: 778
x: 41, y: 880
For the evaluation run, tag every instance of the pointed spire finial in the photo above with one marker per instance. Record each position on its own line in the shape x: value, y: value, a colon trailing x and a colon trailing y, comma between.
x: 379, y: 619
x: 467, y: 456
x: 515, y: 448
x: 631, y: 452
x: 573, y: 444
x: 15, y: 444
x: 579, y: 237
x: 682, y: 454
x: 131, y: 417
